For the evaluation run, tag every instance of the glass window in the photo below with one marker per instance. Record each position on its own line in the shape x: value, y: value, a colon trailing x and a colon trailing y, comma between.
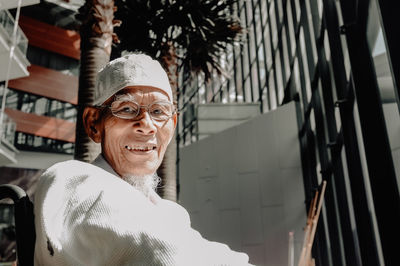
x: 247, y: 86
x: 312, y: 34
x: 252, y: 43
x: 286, y: 63
x: 291, y: 29
x: 265, y: 101
x: 279, y: 78
x: 305, y: 65
x: 239, y: 80
x: 297, y: 10
x: 261, y: 64
x: 249, y: 11
x: 272, y: 92
x: 264, y: 11
x: 268, y: 47
x: 274, y: 28
x: 246, y: 63
x: 258, y: 32
x: 280, y: 11
x: 243, y: 17
x: 254, y: 79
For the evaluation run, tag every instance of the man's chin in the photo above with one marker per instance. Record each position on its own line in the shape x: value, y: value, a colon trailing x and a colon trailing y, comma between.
x: 144, y: 183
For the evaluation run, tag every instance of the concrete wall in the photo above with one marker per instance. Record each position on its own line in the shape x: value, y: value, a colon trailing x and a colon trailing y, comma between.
x: 244, y: 187
x: 392, y: 117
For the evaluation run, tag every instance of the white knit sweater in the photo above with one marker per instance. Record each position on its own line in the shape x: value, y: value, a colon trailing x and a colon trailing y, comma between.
x: 86, y: 215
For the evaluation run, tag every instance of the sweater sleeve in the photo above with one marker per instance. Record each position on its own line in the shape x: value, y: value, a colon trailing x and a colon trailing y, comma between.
x: 92, y: 218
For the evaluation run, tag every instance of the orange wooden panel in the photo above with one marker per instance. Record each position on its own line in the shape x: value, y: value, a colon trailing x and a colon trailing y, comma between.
x: 48, y: 83
x: 43, y: 126
x: 51, y: 38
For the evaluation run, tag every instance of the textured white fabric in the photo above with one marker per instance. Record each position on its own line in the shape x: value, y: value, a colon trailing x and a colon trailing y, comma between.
x: 130, y: 70
x: 86, y: 215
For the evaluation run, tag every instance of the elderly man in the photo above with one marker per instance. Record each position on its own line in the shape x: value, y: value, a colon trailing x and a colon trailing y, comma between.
x: 107, y: 213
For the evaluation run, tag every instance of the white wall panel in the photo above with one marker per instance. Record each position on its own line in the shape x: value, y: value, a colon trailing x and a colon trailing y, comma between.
x: 231, y: 228
x: 250, y: 208
x: 244, y: 186
x: 246, y: 147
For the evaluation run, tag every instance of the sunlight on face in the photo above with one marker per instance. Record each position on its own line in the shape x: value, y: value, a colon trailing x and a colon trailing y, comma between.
x: 136, y: 146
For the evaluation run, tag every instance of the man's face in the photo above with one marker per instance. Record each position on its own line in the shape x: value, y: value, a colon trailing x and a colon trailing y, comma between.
x: 136, y: 146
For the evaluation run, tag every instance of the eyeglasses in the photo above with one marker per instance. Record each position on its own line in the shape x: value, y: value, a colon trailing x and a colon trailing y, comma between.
x: 158, y: 111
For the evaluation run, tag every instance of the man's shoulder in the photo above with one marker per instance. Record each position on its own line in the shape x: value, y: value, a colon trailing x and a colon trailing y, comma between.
x: 68, y: 174
x: 71, y: 168
x: 68, y: 164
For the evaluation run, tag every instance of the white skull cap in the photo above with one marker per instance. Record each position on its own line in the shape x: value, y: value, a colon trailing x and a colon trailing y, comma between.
x: 130, y: 70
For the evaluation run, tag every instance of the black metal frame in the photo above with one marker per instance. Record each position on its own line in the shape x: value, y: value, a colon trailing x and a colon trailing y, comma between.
x: 381, y: 172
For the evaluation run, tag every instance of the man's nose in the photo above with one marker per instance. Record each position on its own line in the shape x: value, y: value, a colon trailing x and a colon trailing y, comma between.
x: 144, y: 124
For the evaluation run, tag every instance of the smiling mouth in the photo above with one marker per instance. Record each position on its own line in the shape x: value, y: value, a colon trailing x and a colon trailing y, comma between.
x: 141, y: 148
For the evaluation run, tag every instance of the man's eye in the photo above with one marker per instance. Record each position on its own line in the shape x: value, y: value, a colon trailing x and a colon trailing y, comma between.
x: 126, y: 110
x: 157, y: 111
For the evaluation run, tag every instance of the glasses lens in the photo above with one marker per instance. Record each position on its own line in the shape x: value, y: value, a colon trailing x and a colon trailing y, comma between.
x: 125, y: 109
x: 161, y: 110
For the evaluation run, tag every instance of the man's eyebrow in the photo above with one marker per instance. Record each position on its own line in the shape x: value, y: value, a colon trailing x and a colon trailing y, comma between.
x: 125, y: 97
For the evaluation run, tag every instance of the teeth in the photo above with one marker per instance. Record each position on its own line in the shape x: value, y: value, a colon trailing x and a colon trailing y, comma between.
x: 140, y: 148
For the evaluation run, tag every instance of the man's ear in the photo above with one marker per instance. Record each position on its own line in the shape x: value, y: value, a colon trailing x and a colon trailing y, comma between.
x: 91, y: 122
x: 175, y: 119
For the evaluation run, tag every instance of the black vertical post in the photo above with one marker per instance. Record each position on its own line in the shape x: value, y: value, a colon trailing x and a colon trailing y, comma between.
x: 335, y: 144
x: 381, y: 171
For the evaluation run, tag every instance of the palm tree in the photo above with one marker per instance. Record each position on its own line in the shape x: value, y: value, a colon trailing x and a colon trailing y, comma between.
x: 96, y: 30
x: 185, y: 35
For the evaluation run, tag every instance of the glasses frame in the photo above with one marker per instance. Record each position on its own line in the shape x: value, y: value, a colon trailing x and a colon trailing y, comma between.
x: 146, y: 107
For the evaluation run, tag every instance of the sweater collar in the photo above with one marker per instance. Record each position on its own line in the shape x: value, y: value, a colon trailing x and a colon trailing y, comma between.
x: 103, y: 164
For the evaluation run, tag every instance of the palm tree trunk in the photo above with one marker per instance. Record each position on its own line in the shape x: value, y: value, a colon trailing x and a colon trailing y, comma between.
x: 167, y: 170
x: 97, y: 35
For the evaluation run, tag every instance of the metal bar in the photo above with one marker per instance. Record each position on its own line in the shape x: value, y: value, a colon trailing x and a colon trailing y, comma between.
x: 257, y: 59
x: 350, y: 241
x: 336, y: 244
x: 241, y: 57
x: 381, y: 171
x: 364, y: 224
x: 308, y: 157
x: 248, y: 56
x: 273, y: 66
x: 263, y: 41
x: 278, y: 50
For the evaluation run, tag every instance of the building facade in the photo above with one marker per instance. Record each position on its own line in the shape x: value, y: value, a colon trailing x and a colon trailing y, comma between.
x: 337, y: 61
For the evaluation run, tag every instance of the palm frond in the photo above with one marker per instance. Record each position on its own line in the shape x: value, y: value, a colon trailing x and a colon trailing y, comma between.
x: 201, y: 29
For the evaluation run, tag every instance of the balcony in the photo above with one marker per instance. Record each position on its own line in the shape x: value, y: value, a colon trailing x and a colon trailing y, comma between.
x: 8, y: 4
x: 19, y: 63
x: 7, y: 150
